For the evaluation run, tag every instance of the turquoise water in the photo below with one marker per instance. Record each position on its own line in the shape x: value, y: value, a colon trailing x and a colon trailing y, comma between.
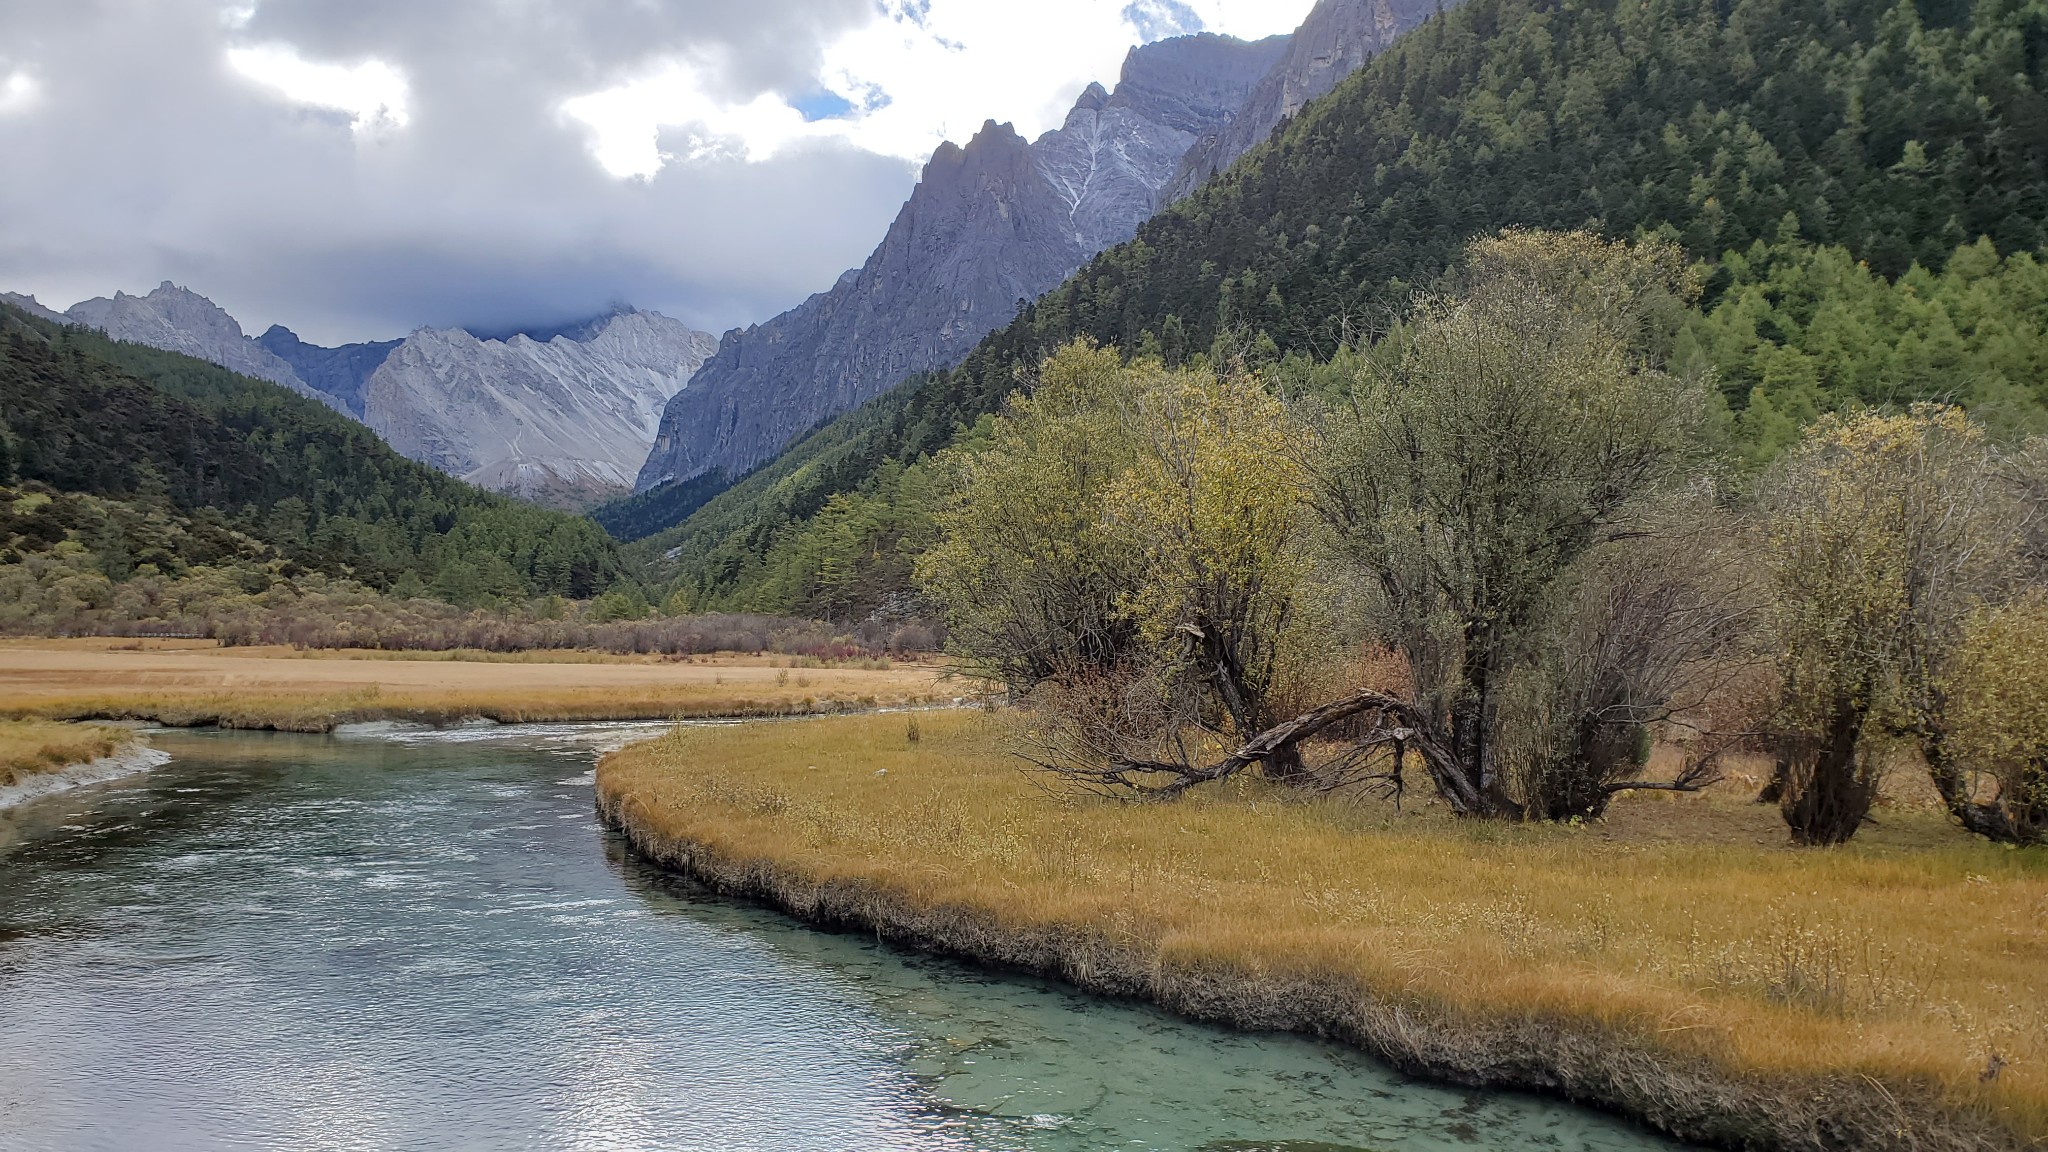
x: 407, y: 939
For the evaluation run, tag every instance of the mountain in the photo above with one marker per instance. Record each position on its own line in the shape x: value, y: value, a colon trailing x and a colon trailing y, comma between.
x: 338, y: 372
x: 145, y: 457
x: 563, y: 422
x: 990, y: 225
x: 1336, y: 38
x: 563, y: 416
x: 1885, y: 141
x: 175, y: 319
x: 33, y: 307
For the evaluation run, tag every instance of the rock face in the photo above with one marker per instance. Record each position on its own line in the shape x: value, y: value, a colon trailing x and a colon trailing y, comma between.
x: 1334, y: 41
x: 339, y: 372
x: 33, y: 307
x: 179, y: 320
x: 564, y: 422
x: 989, y: 225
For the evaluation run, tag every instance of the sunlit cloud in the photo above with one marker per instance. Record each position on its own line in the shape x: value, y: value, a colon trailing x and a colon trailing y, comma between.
x: 922, y: 72
x: 625, y: 123
x: 19, y: 92
x: 373, y: 94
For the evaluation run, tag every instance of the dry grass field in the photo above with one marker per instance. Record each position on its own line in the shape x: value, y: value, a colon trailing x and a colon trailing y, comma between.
x: 1909, y: 968
x: 194, y: 682
x: 28, y: 747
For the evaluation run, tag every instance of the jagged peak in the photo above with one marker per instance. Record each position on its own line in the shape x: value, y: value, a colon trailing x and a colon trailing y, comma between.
x: 1093, y: 97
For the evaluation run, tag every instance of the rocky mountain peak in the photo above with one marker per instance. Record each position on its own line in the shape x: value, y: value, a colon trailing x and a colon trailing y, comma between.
x: 177, y: 319
x: 562, y: 421
x: 991, y: 223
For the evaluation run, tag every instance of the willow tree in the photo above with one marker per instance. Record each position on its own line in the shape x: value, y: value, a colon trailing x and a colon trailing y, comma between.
x: 1123, y: 550
x: 1027, y: 570
x: 1996, y: 707
x: 1489, y: 476
x: 1884, y: 532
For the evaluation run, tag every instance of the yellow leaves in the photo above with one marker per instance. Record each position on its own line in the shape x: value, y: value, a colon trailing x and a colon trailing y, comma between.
x: 1998, y: 692
x: 1884, y: 529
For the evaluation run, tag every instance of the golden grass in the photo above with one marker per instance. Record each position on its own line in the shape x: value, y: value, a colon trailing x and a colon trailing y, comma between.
x: 1915, y: 957
x: 29, y: 747
x: 276, y: 688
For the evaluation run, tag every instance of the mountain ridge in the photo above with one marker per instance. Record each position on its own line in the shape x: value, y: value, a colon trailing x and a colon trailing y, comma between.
x: 562, y: 421
x: 991, y: 223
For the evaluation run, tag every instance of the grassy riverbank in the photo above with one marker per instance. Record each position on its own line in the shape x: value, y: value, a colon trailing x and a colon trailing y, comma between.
x: 1686, y: 967
x: 191, y: 684
x: 33, y: 747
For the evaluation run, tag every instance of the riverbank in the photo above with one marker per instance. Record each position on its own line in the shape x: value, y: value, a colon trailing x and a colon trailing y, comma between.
x: 192, y: 684
x: 1679, y: 962
x: 38, y: 758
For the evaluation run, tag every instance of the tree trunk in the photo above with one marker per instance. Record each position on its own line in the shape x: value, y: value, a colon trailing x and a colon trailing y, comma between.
x: 1991, y: 821
x: 1827, y: 802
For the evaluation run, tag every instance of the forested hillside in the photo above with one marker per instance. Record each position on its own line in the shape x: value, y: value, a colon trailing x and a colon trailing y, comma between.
x: 1829, y: 159
x: 118, y: 460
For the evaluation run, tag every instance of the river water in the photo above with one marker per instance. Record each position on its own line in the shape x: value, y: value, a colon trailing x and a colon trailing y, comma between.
x: 411, y: 939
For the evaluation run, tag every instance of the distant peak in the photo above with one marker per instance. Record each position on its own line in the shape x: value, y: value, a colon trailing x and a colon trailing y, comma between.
x: 581, y: 330
x: 1093, y: 97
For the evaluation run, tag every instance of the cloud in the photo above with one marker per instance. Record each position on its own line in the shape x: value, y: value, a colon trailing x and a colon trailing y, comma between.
x: 354, y: 168
x: 372, y: 93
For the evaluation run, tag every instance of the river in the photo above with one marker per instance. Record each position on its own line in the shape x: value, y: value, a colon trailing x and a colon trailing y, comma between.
x: 399, y: 938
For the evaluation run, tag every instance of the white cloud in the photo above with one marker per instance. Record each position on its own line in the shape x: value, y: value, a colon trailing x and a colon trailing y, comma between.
x: 923, y: 72
x: 372, y: 93
x: 18, y: 93
x: 625, y: 123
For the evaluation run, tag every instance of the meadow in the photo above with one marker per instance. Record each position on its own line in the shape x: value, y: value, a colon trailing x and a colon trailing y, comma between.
x: 1678, y: 960
x: 195, y: 683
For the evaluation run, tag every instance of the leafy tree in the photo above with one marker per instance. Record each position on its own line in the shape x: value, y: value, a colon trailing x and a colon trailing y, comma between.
x: 1997, y: 709
x: 1493, y: 455
x: 1124, y: 550
x: 1883, y: 533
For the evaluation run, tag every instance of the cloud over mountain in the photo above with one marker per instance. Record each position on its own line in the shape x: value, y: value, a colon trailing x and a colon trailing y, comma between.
x: 355, y: 169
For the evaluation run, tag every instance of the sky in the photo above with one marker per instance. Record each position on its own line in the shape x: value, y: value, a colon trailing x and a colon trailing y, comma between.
x: 354, y: 169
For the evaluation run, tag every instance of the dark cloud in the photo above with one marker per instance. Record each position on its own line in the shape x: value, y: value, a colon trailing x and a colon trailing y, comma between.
x: 144, y: 156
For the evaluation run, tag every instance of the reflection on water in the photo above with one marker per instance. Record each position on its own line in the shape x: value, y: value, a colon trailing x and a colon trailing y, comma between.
x: 401, y: 938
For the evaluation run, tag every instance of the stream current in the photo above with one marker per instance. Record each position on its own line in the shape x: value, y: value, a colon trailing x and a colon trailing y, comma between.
x: 397, y: 938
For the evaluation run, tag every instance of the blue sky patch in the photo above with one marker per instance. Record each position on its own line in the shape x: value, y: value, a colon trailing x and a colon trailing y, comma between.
x: 822, y: 105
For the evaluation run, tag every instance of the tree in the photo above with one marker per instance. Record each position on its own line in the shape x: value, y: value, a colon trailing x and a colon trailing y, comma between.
x: 1125, y: 553
x: 1495, y: 459
x: 1642, y: 638
x: 1883, y: 532
x: 1027, y: 570
x: 1997, y: 710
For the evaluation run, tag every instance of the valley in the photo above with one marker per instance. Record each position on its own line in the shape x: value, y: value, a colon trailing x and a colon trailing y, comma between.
x: 1377, y: 575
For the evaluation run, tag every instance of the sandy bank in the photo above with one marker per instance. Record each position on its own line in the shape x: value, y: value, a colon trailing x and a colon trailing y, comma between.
x: 1210, y: 909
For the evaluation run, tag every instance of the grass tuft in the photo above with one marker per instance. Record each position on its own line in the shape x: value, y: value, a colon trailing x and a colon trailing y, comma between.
x: 32, y: 747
